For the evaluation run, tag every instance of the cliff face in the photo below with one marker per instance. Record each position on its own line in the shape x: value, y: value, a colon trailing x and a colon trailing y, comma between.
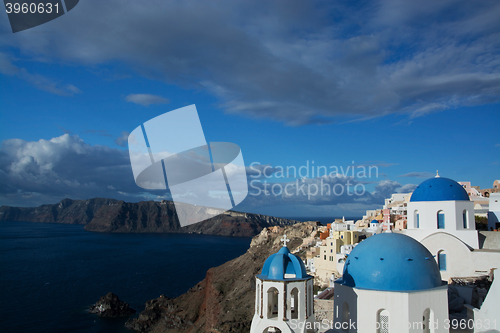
x: 67, y: 211
x: 225, y: 300
x: 109, y: 215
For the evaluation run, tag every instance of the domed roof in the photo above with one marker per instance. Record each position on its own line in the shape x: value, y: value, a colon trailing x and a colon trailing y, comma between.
x: 439, y: 189
x: 283, y: 266
x: 374, y: 221
x: 392, y: 262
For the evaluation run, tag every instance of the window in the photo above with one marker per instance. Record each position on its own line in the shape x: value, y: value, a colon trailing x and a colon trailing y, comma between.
x: 464, y: 218
x: 417, y: 219
x: 427, y: 320
x: 257, y: 304
x: 440, y: 219
x: 295, y: 303
x: 382, y: 321
x: 272, y: 302
x: 442, y: 260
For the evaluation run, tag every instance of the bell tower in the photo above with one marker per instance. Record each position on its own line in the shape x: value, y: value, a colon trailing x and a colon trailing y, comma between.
x: 284, y: 295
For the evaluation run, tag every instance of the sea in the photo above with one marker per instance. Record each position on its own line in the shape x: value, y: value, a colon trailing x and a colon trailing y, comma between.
x: 51, y: 273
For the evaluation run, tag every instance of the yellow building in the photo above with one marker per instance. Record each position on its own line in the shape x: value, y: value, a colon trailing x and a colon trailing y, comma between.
x: 330, y: 261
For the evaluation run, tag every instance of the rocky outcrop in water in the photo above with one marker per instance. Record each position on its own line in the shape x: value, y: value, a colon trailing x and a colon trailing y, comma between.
x: 109, y: 215
x: 111, y: 306
x: 224, y: 300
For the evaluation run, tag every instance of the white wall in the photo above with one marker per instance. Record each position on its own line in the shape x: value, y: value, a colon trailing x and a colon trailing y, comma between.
x: 460, y: 260
x: 405, y: 308
x: 490, y: 311
x: 453, y: 211
x: 494, y: 211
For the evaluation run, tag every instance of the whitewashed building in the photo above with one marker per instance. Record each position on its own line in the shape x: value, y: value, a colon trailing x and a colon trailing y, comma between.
x: 441, y: 217
x: 494, y: 212
x: 284, y: 295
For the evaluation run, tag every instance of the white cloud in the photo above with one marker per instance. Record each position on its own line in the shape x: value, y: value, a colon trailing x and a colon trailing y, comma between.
x: 146, y: 99
x: 46, y: 171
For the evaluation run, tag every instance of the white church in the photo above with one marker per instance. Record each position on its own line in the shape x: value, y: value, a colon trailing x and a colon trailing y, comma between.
x: 284, y: 295
x: 441, y: 217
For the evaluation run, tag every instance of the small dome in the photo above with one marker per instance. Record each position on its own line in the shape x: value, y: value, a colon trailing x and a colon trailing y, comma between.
x: 392, y: 262
x: 283, y: 265
x: 374, y: 221
x: 439, y: 189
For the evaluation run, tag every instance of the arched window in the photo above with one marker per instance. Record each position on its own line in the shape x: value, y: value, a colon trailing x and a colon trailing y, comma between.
x: 382, y: 321
x: 417, y: 219
x: 272, y: 302
x: 440, y: 219
x: 294, y: 303
x: 427, y: 321
x: 464, y: 218
x: 442, y: 260
x: 257, y: 302
x: 310, y: 299
x: 271, y: 330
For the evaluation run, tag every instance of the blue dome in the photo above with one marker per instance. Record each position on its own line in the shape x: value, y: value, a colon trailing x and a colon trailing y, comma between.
x: 392, y: 262
x: 281, y: 263
x: 374, y: 221
x: 439, y: 189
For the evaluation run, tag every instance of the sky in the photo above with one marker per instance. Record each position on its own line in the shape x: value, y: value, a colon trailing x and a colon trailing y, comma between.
x: 397, y: 88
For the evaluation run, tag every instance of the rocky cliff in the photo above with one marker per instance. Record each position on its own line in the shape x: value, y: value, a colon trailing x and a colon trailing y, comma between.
x: 224, y: 300
x: 109, y: 215
x: 67, y: 211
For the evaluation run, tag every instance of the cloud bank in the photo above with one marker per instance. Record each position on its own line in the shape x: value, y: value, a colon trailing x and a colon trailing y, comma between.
x: 47, y: 171
x: 297, y: 62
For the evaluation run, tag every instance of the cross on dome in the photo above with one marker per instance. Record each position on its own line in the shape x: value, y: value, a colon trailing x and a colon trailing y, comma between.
x: 437, y: 174
x: 285, y: 240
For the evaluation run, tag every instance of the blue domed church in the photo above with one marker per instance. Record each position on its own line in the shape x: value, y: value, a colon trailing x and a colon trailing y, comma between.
x: 442, y: 205
x: 441, y: 217
x: 390, y: 283
x: 284, y: 295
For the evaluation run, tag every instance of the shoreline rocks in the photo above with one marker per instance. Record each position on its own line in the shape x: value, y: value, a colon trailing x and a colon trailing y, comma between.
x: 111, y: 306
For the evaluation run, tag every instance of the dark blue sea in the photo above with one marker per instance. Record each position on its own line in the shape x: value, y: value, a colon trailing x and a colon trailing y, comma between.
x: 51, y: 273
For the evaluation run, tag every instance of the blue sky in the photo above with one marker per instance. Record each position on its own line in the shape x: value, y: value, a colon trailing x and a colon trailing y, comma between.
x: 406, y: 88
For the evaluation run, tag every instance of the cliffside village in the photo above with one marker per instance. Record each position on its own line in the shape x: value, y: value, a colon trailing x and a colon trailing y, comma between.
x: 425, y: 262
